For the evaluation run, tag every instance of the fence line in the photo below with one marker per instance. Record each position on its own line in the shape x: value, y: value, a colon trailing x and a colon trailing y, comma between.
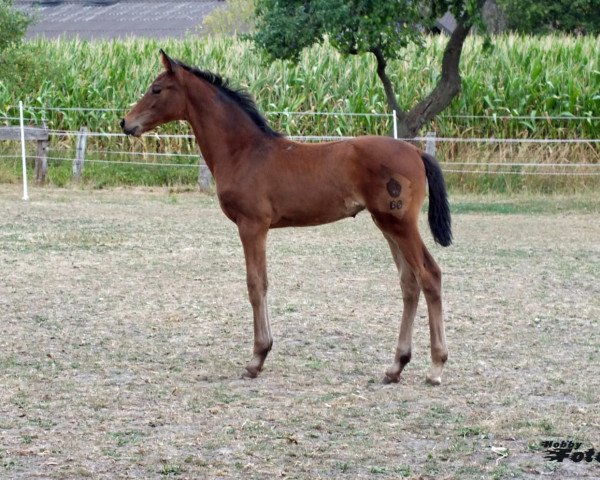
x: 330, y: 114
x: 524, y: 164
x: 317, y: 138
x: 447, y: 170
x: 199, y: 156
x: 347, y: 114
x: 430, y: 139
x: 118, y: 162
x: 506, y: 140
x: 74, y: 133
x: 68, y: 133
x: 519, y: 117
x: 72, y: 109
x: 154, y: 154
x: 502, y: 172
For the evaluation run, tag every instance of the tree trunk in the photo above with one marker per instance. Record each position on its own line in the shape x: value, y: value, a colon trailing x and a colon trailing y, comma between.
x: 446, y: 89
x: 409, y: 123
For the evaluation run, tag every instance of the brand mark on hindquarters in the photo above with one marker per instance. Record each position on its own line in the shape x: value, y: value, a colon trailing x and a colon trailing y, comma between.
x: 394, y: 188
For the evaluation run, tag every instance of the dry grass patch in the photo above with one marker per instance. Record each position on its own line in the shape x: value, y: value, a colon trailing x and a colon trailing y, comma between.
x: 126, y: 328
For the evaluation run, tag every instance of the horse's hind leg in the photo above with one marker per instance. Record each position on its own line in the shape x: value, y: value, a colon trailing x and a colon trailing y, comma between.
x: 429, y: 277
x: 410, y: 296
x: 431, y: 283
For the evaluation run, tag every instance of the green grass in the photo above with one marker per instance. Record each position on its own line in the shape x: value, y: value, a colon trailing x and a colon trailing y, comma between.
x: 471, y: 431
x: 127, y: 437
x: 525, y: 204
x: 171, y: 470
x: 97, y: 174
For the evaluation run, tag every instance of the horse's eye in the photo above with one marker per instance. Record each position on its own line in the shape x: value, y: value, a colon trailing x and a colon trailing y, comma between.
x: 156, y: 90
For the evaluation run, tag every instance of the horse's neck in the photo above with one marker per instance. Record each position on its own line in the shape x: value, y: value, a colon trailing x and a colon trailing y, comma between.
x: 221, y: 128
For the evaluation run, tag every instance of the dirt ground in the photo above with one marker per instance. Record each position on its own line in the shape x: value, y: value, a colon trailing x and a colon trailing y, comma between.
x: 125, y: 327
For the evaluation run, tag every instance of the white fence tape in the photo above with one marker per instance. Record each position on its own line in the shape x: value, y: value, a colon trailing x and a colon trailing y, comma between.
x: 492, y: 116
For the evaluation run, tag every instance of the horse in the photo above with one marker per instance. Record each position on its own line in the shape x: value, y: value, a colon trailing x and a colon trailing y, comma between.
x: 264, y: 181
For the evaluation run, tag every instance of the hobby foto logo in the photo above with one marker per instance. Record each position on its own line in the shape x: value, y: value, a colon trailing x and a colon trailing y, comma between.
x: 558, y: 451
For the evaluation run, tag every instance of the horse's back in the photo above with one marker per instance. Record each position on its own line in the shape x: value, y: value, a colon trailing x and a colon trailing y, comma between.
x: 395, y: 155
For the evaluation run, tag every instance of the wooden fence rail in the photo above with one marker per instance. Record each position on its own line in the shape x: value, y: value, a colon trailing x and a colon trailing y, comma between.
x: 40, y: 135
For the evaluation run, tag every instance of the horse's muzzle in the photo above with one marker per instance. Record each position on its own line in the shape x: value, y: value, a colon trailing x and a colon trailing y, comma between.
x: 129, y: 130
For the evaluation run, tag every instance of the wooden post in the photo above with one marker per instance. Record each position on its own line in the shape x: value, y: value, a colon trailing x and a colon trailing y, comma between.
x: 41, y: 162
x: 204, y: 178
x: 430, y: 143
x: 80, y: 153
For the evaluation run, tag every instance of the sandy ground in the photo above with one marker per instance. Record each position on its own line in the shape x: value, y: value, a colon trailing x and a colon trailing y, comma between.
x: 126, y: 326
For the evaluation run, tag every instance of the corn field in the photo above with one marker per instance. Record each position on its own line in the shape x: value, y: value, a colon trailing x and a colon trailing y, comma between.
x: 520, y: 77
x: 525, y: 87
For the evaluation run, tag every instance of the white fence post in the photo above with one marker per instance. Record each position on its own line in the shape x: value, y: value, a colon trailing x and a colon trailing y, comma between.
x: 23, y: 154
x: 395, y: 119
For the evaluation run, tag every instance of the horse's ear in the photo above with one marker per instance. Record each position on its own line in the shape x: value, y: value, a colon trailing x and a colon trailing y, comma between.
x: 169, y: 64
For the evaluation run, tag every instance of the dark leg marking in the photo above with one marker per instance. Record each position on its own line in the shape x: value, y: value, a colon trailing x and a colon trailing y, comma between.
x: 405, y: 358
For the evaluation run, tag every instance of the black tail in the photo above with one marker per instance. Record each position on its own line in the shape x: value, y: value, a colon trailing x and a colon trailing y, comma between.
x: 440, y: 222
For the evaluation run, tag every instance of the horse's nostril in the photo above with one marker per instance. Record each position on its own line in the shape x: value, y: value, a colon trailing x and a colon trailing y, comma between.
x: 122, y: 123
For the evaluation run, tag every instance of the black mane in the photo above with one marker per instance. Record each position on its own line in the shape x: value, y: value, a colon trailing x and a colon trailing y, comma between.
x: 239, y: 96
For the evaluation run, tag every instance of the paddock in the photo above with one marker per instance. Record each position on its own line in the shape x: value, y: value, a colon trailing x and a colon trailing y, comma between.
x: 126, y: 326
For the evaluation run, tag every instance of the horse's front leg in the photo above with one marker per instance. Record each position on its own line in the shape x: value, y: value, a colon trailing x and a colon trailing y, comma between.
x: 254, y: 241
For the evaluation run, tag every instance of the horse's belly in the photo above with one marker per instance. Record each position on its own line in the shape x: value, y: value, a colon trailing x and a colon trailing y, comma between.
x: 315, y: 212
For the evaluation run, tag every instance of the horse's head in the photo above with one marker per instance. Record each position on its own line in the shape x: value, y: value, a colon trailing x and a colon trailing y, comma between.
x: 164, y: 101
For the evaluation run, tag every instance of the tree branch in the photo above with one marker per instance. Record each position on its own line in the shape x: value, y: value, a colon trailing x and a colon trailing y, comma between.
x: 387, y: 84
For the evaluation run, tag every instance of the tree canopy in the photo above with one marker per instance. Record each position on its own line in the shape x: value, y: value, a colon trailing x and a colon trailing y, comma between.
x: 13, y: 25
x: 379, y: 27
x: 19, y: 61
x: 570, y: 16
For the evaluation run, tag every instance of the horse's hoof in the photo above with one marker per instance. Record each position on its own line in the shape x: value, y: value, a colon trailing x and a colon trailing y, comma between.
x: 435, y: 381
x: 387, y: 380
x: 250, y: 374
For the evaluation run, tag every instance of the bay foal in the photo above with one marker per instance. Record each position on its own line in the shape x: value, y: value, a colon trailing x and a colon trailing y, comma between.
x: 265, y: 181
